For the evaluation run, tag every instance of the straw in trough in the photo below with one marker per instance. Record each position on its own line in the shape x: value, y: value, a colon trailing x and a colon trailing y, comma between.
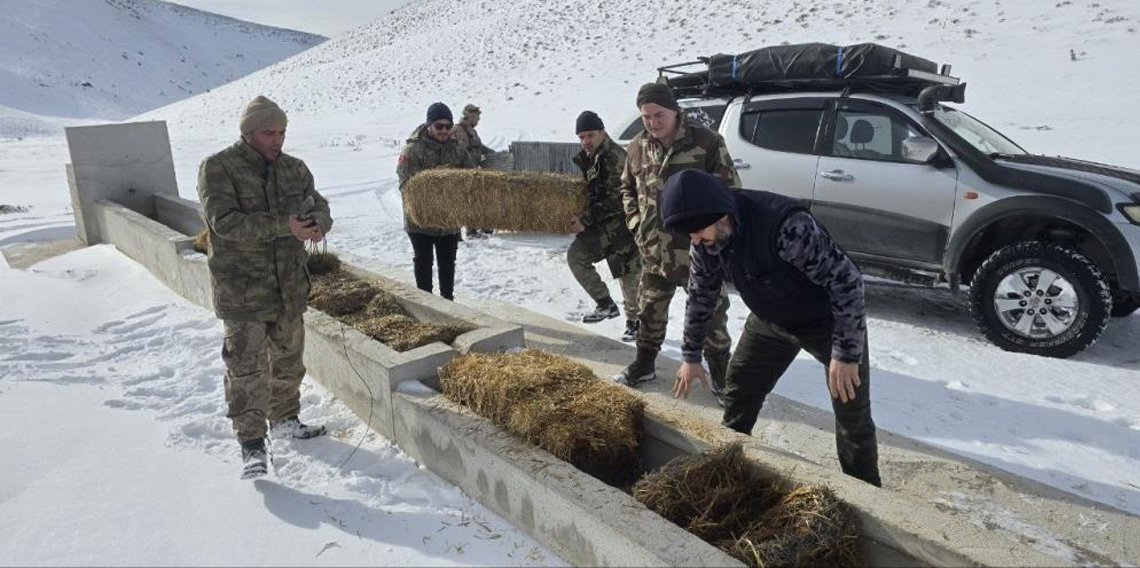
x: 322, y: 263
x: 340, y: 293
x: 724, y: 499
x: 525, y: 202
x: 555, y: 403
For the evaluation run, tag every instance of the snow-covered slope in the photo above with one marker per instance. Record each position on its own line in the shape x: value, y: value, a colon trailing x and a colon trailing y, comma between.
x: 111, y: 59
x: 532, y: 65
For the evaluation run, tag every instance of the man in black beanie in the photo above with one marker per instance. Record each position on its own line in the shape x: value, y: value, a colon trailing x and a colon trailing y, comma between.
x: 668, y: 145
x: 431, y: 146
x: 803, y: 292
x: 600, y: 229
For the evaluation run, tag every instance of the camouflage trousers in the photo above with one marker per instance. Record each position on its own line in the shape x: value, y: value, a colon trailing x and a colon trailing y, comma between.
x: 264, y: 369
x: 590, y: 247
x: 656, y: 295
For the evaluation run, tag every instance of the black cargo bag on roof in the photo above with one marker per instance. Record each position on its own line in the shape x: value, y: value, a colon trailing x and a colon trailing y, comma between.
x: 810, y: 62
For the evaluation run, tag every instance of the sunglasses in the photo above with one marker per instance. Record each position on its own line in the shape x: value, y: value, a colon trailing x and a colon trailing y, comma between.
x: 441, y: 126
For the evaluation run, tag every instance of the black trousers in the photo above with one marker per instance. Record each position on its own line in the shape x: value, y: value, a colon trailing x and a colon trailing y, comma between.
x: 443, y: 248
x: 762, y: 355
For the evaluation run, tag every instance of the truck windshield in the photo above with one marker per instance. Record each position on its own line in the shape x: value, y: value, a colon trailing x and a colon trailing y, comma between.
x: 977, y: 134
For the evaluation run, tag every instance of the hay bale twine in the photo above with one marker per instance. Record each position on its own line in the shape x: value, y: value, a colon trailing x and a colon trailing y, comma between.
x: 202, y: 242
x: 723, y: 498
x: 555, y: 403
x: 525, y: 202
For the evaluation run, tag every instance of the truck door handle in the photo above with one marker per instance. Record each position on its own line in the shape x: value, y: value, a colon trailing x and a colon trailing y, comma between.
x: 740, y: 164
x: 837, y: 175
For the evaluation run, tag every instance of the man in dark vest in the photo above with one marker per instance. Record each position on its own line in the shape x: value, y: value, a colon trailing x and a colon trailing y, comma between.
x: 803, y: 292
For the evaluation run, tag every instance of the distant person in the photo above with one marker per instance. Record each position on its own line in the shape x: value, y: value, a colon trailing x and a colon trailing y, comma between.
x: 261, y: 207
x: 802, y: 290
x: 601, y: 233
x: 432, y: 146
x: 669, y: 144
x: 467, y: 136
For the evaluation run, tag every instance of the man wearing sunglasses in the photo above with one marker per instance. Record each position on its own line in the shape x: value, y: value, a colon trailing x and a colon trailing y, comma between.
x: 432, y: 146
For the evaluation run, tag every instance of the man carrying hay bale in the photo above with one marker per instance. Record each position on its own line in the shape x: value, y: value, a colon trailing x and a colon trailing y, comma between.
x: 669, y: 144
x: 468, y: 137
x: 600, y: 230
x: 432, y: 146
x: 803, y: 290
x: 261, y: 207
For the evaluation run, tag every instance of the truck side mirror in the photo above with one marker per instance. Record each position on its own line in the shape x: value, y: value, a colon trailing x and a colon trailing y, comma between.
x: 919, y: 149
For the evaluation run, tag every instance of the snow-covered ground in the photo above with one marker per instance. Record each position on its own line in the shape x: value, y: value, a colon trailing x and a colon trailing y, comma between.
x: 117, y: 450
x: 62, y: 60
x: 532, y: 65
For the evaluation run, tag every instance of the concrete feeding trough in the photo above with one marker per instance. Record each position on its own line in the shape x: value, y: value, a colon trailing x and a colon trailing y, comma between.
x: 582, y: 519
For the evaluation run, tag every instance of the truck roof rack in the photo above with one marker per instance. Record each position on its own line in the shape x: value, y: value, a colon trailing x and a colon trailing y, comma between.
x: 860, y: 67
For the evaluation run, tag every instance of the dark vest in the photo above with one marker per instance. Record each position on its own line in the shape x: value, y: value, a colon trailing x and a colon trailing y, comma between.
x: 773, y: 289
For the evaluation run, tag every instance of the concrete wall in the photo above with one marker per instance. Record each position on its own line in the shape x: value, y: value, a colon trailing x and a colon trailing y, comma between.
x: 129, y: 171
x: 180, y: 214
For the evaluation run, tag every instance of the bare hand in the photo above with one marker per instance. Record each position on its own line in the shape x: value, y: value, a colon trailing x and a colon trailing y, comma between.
x: 302, y: 228
x: 686, y: 376
x: 576, y: 225
x: 842, y: 380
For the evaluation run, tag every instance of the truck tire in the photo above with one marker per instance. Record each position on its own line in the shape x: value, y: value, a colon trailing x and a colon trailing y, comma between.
x: 1040, y: 298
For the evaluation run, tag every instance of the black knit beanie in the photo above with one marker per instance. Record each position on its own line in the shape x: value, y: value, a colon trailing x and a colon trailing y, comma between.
x: 657, y: 93
x: 438, y: 111
x: 588, y: 121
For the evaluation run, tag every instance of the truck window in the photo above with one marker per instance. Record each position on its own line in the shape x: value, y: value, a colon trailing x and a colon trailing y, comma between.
x: 708, y: 116
x: 782, y: 130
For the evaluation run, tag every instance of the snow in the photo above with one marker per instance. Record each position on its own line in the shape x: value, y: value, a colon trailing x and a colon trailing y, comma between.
x: 532, y: 65
x: 113, y: 406
x: 62, y: 60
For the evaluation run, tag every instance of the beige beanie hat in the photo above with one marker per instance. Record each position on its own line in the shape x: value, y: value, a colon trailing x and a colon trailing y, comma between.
x: 261, y: 112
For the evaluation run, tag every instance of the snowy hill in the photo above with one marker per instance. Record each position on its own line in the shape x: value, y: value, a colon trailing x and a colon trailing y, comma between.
x: 111, y: 59
x: 532, y: 65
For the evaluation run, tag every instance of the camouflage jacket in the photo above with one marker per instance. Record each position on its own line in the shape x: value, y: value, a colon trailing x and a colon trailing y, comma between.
x: 469, y: 138
x: 647, y: 166
x: 604, y: 214
x: 257, y: 266
x: 424, y: 153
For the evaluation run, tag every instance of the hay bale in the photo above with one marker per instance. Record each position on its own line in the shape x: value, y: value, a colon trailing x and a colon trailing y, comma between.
x: 340, y: 293
x: 525, y: 202
x: 202, y: 242
x: 727, y: 501
x: 555, y: 403
x: 809, y: 526
x: 402, y: 333
x: 323, y: 263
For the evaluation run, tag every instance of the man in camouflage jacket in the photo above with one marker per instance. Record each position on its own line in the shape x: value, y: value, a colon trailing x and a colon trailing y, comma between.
x: 464, y: 131
x: 668, y: 145
x: 432, y: 146
x: 260, y: 207
x: 601, y: 232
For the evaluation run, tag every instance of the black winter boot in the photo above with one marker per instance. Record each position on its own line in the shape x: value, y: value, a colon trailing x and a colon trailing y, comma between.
x: 253, y: 459
x: 606, y: 309
x: 641, y: 370
x: 631, y: 327
x: 292, y: 427
x: 718, y: 371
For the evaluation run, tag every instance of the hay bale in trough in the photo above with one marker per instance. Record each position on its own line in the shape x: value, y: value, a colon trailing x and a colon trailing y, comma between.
x: 555, y: 403
x: 525, y: 202
x: 202, y: 242
x: 727, y: 501
x: 340, y: 293
x: 402, y: 333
